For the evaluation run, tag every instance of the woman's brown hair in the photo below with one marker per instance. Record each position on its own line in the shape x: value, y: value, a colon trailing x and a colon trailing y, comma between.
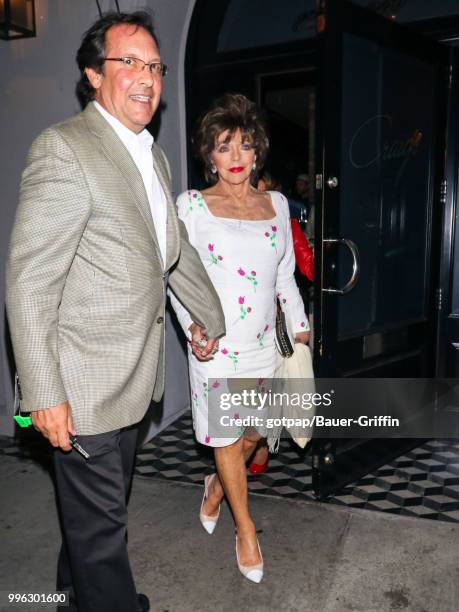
x: 231, y: 112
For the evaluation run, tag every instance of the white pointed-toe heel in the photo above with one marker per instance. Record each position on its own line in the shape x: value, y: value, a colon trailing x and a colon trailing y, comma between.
x: 208, y: 522
x: 254, y: 573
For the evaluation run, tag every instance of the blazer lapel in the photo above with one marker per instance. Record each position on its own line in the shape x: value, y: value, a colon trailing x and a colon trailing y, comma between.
x: 172, y: 230
x: 121, y: 158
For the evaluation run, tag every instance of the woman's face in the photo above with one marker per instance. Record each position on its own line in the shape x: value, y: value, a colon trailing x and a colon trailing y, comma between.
x: 234, y: 159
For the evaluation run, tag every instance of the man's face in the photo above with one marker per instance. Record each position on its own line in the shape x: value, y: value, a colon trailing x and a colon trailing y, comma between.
x: 302, y: 187
x: 130, y: 96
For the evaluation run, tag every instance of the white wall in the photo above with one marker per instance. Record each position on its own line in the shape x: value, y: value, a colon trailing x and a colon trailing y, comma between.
x: 37, y: 86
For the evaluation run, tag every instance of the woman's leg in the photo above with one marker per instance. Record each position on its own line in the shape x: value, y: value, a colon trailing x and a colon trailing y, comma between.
x: 261, y: 454
x: 232, y: 481
x: 216, y: 493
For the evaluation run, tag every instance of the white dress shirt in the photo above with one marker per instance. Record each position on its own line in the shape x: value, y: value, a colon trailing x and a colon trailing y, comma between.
x: 139, y: 147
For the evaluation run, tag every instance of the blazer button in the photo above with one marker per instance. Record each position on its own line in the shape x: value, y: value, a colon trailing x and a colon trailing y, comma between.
x: 160, y: 320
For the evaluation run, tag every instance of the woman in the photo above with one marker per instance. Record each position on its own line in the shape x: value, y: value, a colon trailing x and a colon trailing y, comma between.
x: 244, y: 239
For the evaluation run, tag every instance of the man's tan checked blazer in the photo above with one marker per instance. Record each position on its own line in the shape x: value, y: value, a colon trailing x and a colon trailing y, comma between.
x: 86, y: 286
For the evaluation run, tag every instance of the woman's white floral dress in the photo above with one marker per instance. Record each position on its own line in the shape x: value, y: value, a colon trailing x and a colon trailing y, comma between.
x: 251, y: 263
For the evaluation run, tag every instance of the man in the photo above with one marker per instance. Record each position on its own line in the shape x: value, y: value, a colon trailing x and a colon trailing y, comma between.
x: 302, y: 186
x: 95, y: 242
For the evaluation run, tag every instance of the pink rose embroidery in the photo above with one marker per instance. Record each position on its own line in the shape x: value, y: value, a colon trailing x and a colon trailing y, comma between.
x: 194, y: 198
x: 205, y: 391
x: 261, y: 336
x: 194, y: 399
x: 272, y: 236
x: 250, y: 277
x: 243, y: 310
x: 260, y: 387
x: 232, y: 356
x: 214, y: 259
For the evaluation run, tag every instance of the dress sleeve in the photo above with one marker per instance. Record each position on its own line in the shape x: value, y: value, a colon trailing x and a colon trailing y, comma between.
x: 286, y: 288
x: 183, y: 316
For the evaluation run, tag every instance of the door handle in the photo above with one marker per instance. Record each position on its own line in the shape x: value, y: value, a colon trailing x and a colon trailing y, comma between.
x: 355, y: 265
x: 332, y: 182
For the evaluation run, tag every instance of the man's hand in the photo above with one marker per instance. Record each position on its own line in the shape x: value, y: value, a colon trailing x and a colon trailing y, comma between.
x: 55, y: 423
x: 202, y: 347
x: 302, y: 337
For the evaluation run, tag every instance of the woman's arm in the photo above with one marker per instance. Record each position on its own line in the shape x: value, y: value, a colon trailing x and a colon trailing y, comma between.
x: 286, y: 287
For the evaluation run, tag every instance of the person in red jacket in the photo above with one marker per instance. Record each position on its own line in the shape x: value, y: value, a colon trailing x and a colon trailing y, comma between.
x: 304, y: 255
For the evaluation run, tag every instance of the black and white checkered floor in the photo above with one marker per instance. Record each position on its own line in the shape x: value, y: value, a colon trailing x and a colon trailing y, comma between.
x: 423, y: 483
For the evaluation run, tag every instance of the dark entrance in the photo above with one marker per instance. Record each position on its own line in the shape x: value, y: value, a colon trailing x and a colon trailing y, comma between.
x: 381, y: 121
x: 368, y: 98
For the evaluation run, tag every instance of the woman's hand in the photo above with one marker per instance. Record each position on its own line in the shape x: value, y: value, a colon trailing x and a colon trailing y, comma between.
x: 202, y: 347
x: 302, y: 337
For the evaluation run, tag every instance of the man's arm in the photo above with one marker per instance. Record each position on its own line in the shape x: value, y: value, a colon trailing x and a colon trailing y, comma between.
x: 53, y: 211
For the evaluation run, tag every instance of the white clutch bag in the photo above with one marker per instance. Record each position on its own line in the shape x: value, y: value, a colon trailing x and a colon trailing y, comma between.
x: 289, y: 371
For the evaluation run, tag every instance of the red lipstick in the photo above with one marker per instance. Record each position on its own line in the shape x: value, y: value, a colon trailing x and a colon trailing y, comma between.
x: 236, y: 169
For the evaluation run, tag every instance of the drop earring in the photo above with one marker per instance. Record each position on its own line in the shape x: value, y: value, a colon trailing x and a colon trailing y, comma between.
x: 213, y: 168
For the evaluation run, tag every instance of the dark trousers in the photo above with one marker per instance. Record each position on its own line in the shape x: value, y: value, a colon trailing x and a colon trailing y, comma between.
x: 92, y: 497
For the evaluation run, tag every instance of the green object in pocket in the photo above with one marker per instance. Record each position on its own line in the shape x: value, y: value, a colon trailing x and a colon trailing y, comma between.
x: 23, y: 421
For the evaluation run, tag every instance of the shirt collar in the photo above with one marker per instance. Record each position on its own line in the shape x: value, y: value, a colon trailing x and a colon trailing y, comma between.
x: 127, y: 136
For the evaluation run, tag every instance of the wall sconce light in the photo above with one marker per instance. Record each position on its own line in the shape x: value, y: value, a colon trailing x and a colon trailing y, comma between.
x: 17, y: 19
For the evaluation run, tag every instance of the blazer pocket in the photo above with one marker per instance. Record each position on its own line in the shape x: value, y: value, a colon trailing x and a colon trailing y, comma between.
x: 98, y: 289
x: 110, y: 299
